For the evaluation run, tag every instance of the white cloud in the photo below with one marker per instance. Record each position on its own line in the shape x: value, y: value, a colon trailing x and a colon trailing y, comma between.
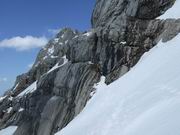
x: 3, y: 80
x: 54, y: 31
x: 23, y: 43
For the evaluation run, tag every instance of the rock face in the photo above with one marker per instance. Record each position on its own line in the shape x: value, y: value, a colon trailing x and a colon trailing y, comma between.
x: 62, y: 79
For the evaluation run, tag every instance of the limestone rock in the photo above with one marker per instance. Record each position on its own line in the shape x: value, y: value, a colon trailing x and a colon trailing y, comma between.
x: 56, y: 89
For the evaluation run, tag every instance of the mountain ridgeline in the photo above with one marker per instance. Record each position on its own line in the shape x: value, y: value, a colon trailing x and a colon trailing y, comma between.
x: 63, y: 77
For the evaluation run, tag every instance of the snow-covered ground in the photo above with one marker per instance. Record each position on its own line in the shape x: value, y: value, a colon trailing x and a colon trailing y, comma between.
x: 8, y: 131
x: 145, y: 101
x: 173, y: 12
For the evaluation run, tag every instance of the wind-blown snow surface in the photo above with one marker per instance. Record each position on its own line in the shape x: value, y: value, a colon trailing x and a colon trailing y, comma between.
x: 145, y: 101
x: 8, y: 131
x: 173, y: 12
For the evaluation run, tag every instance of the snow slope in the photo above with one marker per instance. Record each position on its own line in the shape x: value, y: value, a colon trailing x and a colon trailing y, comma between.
x: 173, y: 12
x: 8, y: 131
x: 145, y: 101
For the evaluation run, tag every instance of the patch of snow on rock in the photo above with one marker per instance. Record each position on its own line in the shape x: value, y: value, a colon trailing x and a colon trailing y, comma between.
x: 10, y: 98
x: 9, y: 109
x: 45, y: 57
x: 123, y: 43
x: 75, y: 37
x: 21, y: 109
x: 16, y: 86
x: 87, y: 34
x: 29, y: 89
x: 66, y: 41
x: 57, y: 64
x: 62, y: 36
x: 56, y: 40
x: 2, y: 98
x: 60, y: 43
x: 53, y: 68
x: 53, y: 57
x: 51, y: 50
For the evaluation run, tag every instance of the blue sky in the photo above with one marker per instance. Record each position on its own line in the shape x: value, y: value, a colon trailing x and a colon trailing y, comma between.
x: 22, y: 21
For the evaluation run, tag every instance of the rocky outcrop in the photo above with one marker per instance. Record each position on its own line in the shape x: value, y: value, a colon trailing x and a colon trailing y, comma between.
x: 62, y: 79
x: 48, y: 56
x: 116, y: 12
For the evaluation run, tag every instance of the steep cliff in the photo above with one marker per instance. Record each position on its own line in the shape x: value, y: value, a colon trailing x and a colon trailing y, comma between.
x: 66, y: 70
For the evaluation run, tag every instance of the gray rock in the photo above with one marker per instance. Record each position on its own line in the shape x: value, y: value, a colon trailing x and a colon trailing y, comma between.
x: 123, y: 30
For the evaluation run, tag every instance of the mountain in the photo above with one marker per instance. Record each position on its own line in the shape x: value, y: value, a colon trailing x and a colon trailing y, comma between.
x: 145, y: 101
x: 130, y: 89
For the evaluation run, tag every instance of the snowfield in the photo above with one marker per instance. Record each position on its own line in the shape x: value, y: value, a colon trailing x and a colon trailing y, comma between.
x: 173, y: 12
x: 8, y: 131
x: 145, y: 101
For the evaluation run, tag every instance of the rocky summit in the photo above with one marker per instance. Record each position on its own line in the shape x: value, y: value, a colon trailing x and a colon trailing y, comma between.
x: 63, y: 77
